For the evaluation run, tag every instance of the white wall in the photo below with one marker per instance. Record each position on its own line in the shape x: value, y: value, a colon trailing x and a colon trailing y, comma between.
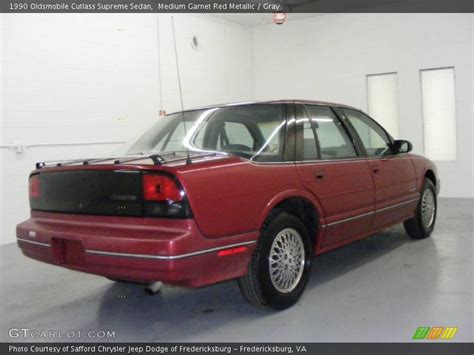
x: 1, y: 125
x: 94, y: 78
x: 472, y: 97
x: 328, y: 57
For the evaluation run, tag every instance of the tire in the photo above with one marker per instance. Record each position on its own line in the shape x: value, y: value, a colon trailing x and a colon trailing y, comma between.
x: 420, y: 227
x: 125, y: 281
x: 258, y: 286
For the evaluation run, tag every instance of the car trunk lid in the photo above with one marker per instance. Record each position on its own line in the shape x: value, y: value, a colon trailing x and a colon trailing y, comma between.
x: 99, y: 192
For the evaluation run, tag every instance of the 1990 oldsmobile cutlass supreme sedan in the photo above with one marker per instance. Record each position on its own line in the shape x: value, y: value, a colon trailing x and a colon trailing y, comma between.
x: 249, y: 191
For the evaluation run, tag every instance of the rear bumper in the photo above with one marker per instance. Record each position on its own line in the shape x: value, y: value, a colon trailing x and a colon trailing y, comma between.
x: 135, y: 249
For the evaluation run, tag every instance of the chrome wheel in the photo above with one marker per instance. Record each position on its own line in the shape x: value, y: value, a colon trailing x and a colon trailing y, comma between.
x: 428, y: 207
x: 286, y: 260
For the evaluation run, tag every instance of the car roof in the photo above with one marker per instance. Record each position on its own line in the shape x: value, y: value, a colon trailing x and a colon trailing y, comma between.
x: 280, y: 101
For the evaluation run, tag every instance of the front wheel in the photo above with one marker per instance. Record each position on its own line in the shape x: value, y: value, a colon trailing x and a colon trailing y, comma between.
x: 126, y: 281
x: 281, y: 265
x: 422, y: 224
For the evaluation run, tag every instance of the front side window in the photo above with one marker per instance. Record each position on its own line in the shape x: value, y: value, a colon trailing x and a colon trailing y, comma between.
x: 324, y: 135
x: 373, y: 137
x: 254, y: 132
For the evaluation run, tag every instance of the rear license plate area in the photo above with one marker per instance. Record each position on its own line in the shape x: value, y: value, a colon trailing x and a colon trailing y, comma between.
x: 68, y: 252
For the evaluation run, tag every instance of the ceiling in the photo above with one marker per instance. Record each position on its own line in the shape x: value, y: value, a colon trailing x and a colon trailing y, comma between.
x: 258, y: 19
x: 302, y: 9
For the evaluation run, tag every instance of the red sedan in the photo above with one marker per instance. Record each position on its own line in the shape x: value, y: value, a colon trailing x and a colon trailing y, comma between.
x: 249, y: 191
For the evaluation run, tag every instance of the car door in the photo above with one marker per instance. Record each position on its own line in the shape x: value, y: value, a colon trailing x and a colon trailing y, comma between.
x: 332, y: 168
x: 394, y: 175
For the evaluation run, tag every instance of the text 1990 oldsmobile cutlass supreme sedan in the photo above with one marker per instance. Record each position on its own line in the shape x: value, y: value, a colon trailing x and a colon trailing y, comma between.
x: 250, y: 191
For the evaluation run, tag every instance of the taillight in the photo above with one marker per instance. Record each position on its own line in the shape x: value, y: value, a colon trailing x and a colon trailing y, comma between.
x: 34, y: 188
x: 164, y: 197
x: 161, y: 188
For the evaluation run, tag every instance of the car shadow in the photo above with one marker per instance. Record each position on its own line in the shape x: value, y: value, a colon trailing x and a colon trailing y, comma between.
x: 330, y: 265
x: 176, y: 313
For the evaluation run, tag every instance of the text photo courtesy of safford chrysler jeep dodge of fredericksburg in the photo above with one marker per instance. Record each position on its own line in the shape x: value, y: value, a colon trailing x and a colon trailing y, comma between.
x: 248, y: 191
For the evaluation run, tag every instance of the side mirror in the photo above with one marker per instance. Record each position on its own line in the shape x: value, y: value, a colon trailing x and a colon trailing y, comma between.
x: 401, y: 146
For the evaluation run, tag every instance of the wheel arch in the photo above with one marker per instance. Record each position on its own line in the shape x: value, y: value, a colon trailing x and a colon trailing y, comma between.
x: 303, y: 206
x: 429, y: 174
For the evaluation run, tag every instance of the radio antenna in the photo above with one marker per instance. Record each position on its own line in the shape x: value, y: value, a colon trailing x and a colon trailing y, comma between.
x: 188, y: 158
x: 159, y: 64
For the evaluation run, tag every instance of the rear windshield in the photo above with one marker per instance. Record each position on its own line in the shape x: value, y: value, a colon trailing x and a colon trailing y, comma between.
x: 251, y: 131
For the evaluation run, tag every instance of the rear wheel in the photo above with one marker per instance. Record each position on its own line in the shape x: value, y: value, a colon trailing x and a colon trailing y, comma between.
x: 281, y: 265
x: 422, y: 224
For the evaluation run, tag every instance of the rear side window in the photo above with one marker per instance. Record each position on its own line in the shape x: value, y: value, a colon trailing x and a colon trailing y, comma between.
x: 310, y: 147
x: 329, y: 138
x: 254, y: 132
x: 235, y: 133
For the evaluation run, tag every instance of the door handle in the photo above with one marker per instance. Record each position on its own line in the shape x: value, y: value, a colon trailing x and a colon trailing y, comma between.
x: 375, y: 169
x: 320, y: 175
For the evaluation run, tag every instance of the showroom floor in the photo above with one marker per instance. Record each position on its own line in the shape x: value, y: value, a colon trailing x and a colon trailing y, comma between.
x: 378, y: 289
